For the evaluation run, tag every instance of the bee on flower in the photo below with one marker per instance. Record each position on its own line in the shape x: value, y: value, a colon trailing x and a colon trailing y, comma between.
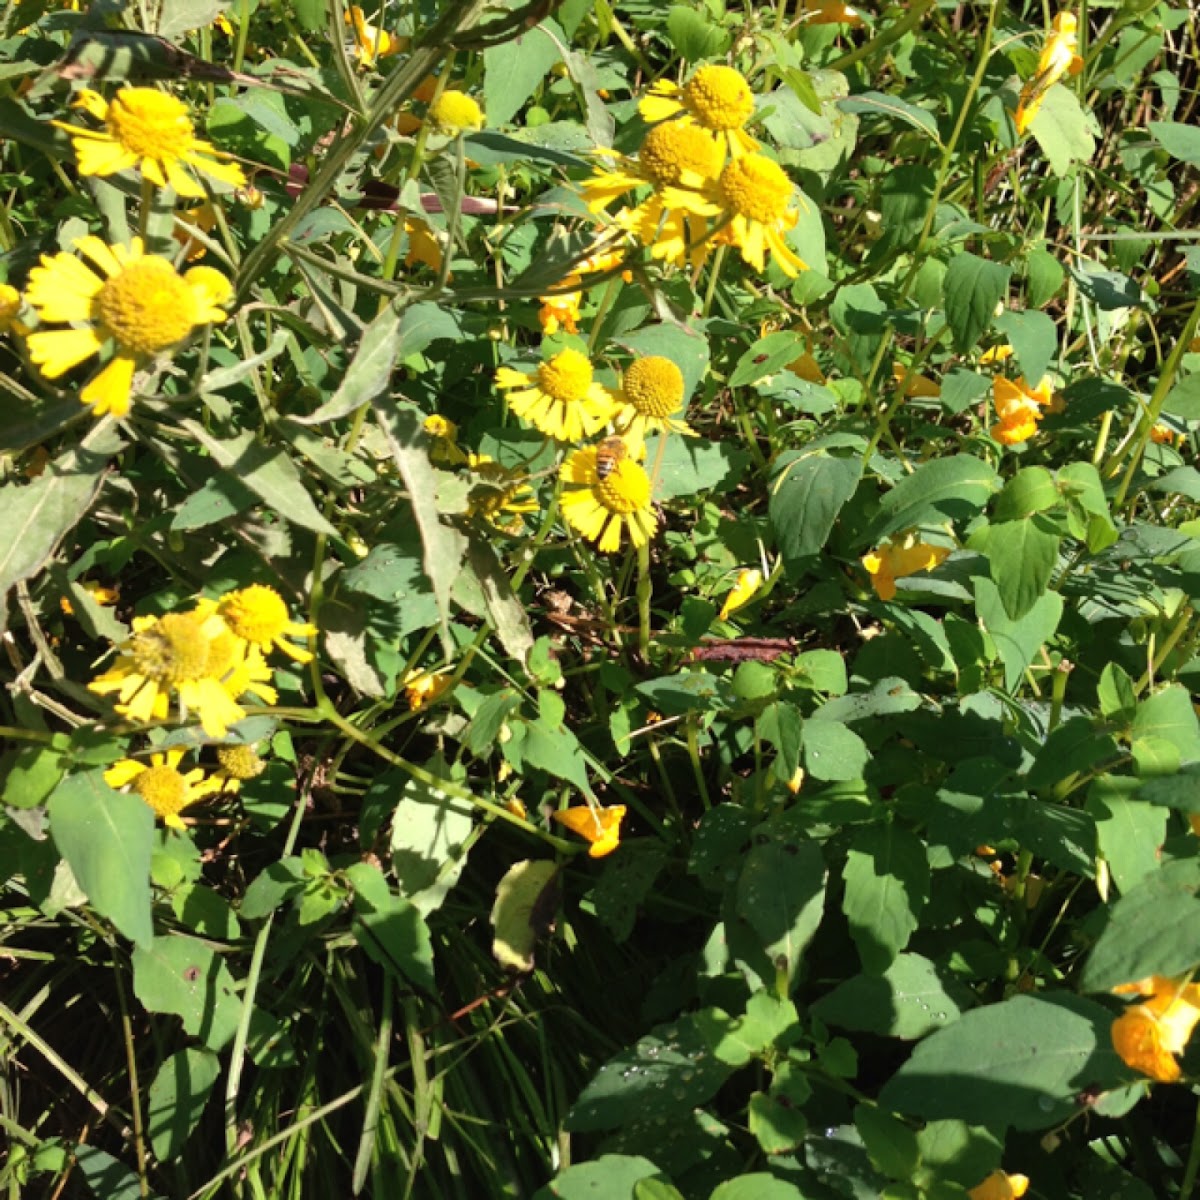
x: 162, y: 785
x: 602, y: 507
x: 152, y: 131
x: 716, y: 98
x: 1059, y: 57
x: 560, y: 397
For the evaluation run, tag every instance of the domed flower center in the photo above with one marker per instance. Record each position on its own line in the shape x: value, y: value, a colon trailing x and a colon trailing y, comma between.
x: 654, y: 386
x: 756, y: 188
x: 163, y: 788
x: 240, y: 762
x: 147, y: 307
x: 673, y: 147
x: 625, y: 490
x: 566, y: 377
x: 150, y: 123
x: 719, y: 98
x: 456, y: 110
x: 256, y: 614
x: 173, y: 650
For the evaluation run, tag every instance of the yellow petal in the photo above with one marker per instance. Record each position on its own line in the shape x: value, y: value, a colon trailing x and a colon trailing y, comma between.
x: 56, y: 351
x: 743, y: 591
x: 109, y: 392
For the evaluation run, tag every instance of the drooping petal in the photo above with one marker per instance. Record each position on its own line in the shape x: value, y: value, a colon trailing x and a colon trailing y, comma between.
x: 56, y: 351
x: 109, y: 391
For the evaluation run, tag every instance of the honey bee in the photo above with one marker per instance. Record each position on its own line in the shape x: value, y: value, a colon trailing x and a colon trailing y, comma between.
x: 610, y: 452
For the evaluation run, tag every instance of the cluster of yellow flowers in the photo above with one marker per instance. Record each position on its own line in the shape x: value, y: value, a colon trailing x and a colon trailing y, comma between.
x: 709, y: 182
x: 205, y: 660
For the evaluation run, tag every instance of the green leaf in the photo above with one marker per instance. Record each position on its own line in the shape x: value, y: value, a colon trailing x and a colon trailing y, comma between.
x: 526, y: 901
x: 105, y: 1177
x: 1115, y: 691
x: 695, y: 37
x: 1169, y: 715
x: 907, y: 1001
x: 1183, y: 400
x: 608, y: 1177
x: 1064, y: 131
x: 513, y: 70
x: 30, y: 774
x: 780, y: 895
x: 944, y: 489
x: 767, y: 356
x: 833, y: 752
x: 886, y: 697
x: 178, y: 1095
x: 1033, y: 337
x: 887, y: 886
x: 182, y: 975
x: 505, y: 609
x: 690, y: 465
x: 41, y: 511
x: 878, y: 103
x: 666, y: 1073
x: 1019, y: 1063
x: 269, y: 473
x: 1022, y: 556
x: 1030, y: 490
x: 1073, y: 747
x: 891, y: 1144
x: 808, y: 490
x: 430, y: 837
x: 1129, y: 832
x: 271, y: 887
x: 443, y: 546
x: 1178, y: 140
x: 958, y: 1152
x: 390, y: 929
x: 739, y: 1040
x: 776, y: 1118
x: 1017, y: 642
x: 1045, y: 276
x: 1154, y: 929
x: 656, y: 1189
x: 489, y: 148
x: 758, y: 1185
x: 553, y: 748
x: 625, y: 882
x: 972, y: 288
x: 393, y: 573
x: 370, y: 370
x: 106, y: 838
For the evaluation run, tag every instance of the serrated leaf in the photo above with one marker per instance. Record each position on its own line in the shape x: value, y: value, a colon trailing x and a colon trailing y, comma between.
x: 106, y: 838
x: 1129, y: 832
x: 1178, y: 140
x: 1017, y: 642
x: 523, y: 912
x: 972, y: 288
x: 887, y: 885
x: 1022, y: 556
x: 1019, y: 1063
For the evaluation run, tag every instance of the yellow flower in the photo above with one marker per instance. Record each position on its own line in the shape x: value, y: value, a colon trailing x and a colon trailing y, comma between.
x: 1166, y: 435
x: 371, y: 43
x: 650, y: 394
x: 422, y: 688
x: 500, y: 495
x: 716, y: 98
x: 998, y: 1186
x: 258, y: 615
x: 454, y: 111
x: 669, y: 154
x: 102, y: 595
x: 423, y: 244
x: 827, y: 12
x: 601, y: 826
x: 1148, y: 1035
x: 796, y: 782
x: 444, y: 450
x: 10, y: 306
x: 752, y: 199
x: 136, y: 301
x: 201, y: 219
x: 997, y: 354
x: 1057, y: 59
x: 153, y: 131
x: 915, y: 385
x: 893, y: 561
x: 561, y: 311
x: 162, y: 785
x: 172, y: 654
x: 743, y: 591
x: 600, y: 508
x: 239, y: 666
x: 560, y: 398
x: 237, y: 765
x: 1019, y: 408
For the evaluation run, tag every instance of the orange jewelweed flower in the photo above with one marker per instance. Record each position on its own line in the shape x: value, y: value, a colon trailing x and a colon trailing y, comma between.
x: 601, y: 826
x: 1058, y: 58
x: 893, y: 561
x: 744, y: 590
x: 1019, y: 408
x: 1148, y: 1035
x: 998, y: 1186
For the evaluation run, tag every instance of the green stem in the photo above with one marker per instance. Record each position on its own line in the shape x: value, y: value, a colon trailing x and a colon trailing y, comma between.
x: 135, y: 1102
x: 644, y: 592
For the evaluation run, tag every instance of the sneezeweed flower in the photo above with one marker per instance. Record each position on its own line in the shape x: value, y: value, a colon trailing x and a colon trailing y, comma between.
x: 237, y: 765
x: 136, y: 302
x: 150, y: 130
x: 560, y: 397
x: 422, y: 688
x: 10, y: 308
x: 744, y: 590
x: 999, y: 1186
x: 163, y: 786
x: 240, y: 667
x: 600, y: 508
x: 601, y: 826
x: 1148, y: 1035
x: 716, y: 98
x: 895, y: 560
x: 454, y: 111
x: 258, y: 615
x: 371, y: 43
x: 168, y: 656
x: 752, y: 201
x: 500, y: 495
x: 650, y: 395
x: 1019, y: 408
x: 444, y: 450
x: 1058, y: 58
